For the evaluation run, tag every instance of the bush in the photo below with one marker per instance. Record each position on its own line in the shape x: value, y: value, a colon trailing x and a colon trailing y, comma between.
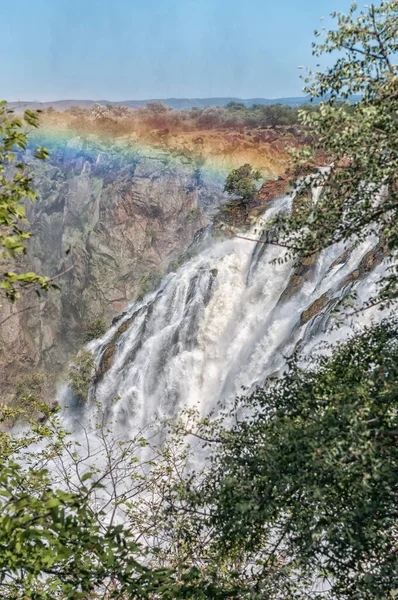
x: 241, y: 182
x: 94, y: 329
x: 29, y: 396
x: 31, y: 385
x: 81, y: 373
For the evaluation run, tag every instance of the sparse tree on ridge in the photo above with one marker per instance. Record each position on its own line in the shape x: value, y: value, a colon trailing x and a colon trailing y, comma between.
x: 241, y: 182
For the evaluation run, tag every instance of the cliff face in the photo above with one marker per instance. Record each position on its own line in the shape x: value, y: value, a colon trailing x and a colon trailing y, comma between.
x: 265, y: 150
x: 110, y: 217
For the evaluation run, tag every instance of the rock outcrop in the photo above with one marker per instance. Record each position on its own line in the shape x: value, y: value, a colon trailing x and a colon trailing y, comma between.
x: 112, y: 214
x: 111, y: 221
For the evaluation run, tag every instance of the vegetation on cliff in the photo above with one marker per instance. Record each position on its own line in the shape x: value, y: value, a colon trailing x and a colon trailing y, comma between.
x: 81, y: 373
x: 359, y: 189
x: 94, y: 329
x: 156, y: 115
x: 241, y: 182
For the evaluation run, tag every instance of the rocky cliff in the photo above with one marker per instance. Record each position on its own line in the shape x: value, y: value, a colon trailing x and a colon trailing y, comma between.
x: 111, y: 215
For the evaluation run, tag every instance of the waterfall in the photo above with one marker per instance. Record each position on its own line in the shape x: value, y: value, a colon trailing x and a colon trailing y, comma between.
x: 222, y: 323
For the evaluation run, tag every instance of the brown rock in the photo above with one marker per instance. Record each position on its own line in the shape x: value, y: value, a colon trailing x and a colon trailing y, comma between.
x: 341, y: 259
x: 314, y: 309
x: 273, y: 188
x: 107, y: 359
x: 303, y: 273
x: 368, y: 263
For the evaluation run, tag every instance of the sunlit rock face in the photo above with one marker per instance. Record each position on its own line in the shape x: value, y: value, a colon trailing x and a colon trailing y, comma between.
x: 221, y: 324
x: 113, y: 212
x: 117, y: 216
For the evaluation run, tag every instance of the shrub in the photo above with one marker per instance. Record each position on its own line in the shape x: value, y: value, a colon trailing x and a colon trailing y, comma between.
x: 94, y: 329
x: 241, y: 182
x: 81, y: 373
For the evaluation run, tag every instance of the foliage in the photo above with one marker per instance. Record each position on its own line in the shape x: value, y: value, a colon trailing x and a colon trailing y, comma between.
x: 8, y: 414
x: 156, y: 115
x: 31, y: 384
x: 57, y: 539
x: 61, y: 535
x: 306, y: 473
x: 15, y: 188
x: 276, y: 114
x: 29, y: 396
x: 157, y: 107
x: 359, y: 189
x: 94, y: 329
x: 81, y: 373
x: 241, y: 182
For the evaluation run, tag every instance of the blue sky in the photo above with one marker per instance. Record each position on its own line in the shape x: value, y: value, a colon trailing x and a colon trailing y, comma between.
x: 135, y: 49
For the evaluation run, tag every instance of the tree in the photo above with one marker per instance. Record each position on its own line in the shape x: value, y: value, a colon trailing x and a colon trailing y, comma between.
x: 212, y: 117
x: 81, y: 373
x: 241, y: 182
x: 360, y: 186
x: 157, y: 108
x: 57, y: 538
x: 84, y: 520
x: 94, y: 329
x: 15, y: 188
x: 303, y: 479
x: 277, y: 114
x: 307, y: 485
x: 235, y: 106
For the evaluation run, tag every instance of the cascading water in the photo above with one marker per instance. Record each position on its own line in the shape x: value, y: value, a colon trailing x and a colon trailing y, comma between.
x: 224, y: 321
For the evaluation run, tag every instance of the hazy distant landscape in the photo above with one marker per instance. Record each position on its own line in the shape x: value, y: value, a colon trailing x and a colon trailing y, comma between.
x: 176, y: 103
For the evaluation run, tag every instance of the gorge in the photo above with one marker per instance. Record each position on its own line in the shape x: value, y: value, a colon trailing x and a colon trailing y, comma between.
x: 114, y: 212
x: 130, y: 217
x: 223, y: 322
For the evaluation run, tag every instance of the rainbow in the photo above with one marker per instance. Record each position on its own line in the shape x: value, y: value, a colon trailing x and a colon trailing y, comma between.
x: 213, y: 164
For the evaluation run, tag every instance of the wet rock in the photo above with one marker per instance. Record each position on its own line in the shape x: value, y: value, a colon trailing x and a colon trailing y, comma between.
x: 124, y: 326
x: 304, y: 272
x: 273, y: 188
x: 340, y: 260
x: 314, y: 309
x: 118, y: 318
x: 369, y: 261
x: 106, y: 359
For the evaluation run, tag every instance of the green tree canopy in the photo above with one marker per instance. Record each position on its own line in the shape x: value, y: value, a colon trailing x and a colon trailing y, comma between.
x: 359, y: 189
x: 309, y: 481
x: 241, y: 182
x: 276, y: 114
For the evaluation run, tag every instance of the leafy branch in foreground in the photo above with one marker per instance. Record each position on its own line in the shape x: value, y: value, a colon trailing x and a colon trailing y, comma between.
x: 62, y: 504
x: 15, y: 188
x: 305, y: 478
x: 358, y: 193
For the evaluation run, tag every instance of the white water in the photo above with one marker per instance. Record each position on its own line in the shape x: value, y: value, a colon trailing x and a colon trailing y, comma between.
x: 216, y: 326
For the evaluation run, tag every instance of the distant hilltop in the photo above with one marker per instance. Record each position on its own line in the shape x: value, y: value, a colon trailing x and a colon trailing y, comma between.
x: 176, y: 103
